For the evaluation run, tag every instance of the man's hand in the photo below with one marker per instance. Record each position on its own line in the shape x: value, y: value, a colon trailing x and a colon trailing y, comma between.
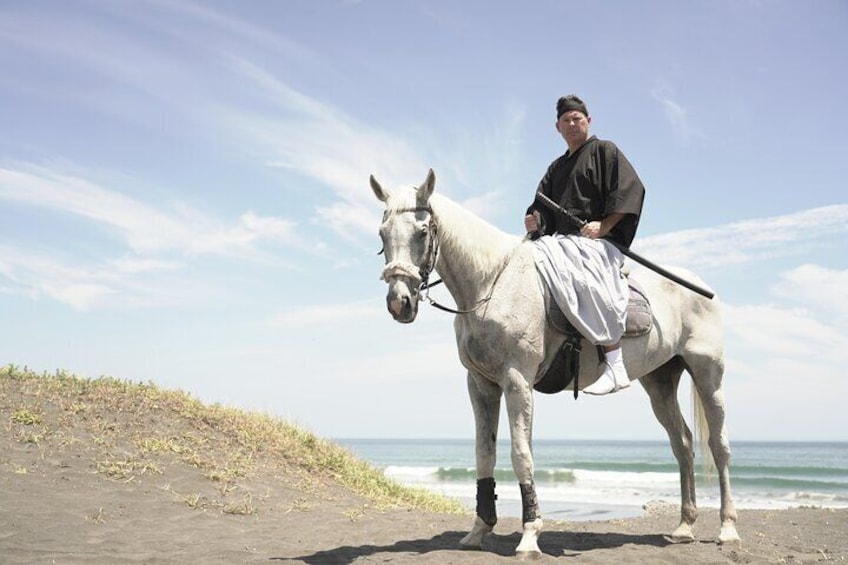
x: 597, y: 230
x: 592, y: 230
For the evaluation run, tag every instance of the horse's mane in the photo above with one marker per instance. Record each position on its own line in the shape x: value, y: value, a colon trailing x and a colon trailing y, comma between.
x: 471, y: 239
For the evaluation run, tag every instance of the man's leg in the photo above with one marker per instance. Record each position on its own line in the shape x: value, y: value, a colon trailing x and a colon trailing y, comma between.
x: 614, y: 377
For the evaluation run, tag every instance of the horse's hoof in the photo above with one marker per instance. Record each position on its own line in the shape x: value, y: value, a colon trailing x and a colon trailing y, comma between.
x: 528, y: 548
x: 683, y: 534
x: 474, y: 538
x: 528, y: 555
x: 729, y: 535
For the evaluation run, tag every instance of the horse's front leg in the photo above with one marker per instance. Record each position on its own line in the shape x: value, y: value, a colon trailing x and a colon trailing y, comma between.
x: 519, y: 405
x: 486, y: 402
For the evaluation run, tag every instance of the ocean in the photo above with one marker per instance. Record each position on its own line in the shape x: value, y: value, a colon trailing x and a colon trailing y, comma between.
x: 599, y: 480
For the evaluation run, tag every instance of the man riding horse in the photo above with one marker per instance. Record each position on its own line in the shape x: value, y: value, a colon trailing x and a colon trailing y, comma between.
x: 503, y: 335
x: 597, y: 185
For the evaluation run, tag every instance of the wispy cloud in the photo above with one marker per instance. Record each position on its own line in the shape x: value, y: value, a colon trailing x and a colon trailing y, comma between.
x: 818, y: 287
x: 318, y: 316
x: 319, y: 142
x: 124, y: 283
x: 145, y: 228
x: 201, y: 55
x: 676, y: 115
x: 157, y: 243
x: 784, y: 331
x: 777, y: 346
x: 756, y: 239
x: 189, y: 76
x: 183, y: 49
x: 37, y: 275
x: 796, y: 332
x: 131, y: 265
x: 486, y: 157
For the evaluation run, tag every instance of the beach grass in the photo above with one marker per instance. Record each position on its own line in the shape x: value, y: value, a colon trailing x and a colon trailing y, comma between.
x: 135, y: 431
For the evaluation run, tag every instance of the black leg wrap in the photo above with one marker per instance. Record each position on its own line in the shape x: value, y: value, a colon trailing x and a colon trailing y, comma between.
x: 529, y: 503
x: 486, y: 498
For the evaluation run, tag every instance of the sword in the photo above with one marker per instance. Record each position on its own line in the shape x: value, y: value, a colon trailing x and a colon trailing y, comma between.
x: 624, y: 250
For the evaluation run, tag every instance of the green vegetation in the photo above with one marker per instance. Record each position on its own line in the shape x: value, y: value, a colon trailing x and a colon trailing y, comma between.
x: 135, y: 431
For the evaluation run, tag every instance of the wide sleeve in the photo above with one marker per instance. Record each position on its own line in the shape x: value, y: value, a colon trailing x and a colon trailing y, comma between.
x: 624, y: 190
x: 623, y: 193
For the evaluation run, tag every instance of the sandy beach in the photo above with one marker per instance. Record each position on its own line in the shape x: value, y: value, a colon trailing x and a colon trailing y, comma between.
x: 120, y: 474
x: 56, y: 509
x: 60, y: 512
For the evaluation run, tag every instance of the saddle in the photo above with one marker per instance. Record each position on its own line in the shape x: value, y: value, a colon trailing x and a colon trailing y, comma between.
x: 566, y: 365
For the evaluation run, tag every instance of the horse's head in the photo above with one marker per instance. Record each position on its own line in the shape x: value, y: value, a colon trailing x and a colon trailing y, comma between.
x: 410, y: 243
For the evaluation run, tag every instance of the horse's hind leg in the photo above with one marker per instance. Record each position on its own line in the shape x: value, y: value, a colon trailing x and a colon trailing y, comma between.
x: 486, y: 403
x: 707, y: 372
x: 661, y: 386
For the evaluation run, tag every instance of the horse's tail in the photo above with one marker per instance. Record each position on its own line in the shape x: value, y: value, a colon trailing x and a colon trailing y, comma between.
x: 702, y: 433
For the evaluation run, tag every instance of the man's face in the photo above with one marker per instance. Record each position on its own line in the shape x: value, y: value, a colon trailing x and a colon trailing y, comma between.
x: 573, y: 126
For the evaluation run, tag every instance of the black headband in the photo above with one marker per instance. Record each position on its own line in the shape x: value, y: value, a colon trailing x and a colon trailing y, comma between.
x: 570, y: 103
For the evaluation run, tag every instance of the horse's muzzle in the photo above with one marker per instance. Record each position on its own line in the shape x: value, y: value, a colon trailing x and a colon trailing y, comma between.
x: 402, y: 304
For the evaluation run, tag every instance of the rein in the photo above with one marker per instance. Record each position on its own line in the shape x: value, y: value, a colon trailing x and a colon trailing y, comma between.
x: 424, y: 292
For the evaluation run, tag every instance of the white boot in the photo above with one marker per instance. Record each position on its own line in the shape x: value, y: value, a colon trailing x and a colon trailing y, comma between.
x: 614, y: 377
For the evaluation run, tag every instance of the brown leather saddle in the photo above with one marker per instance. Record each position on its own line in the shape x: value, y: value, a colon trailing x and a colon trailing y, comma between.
x: 566, y: 366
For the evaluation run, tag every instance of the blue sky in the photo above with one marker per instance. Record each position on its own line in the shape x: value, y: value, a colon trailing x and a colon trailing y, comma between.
x: 184, y: 192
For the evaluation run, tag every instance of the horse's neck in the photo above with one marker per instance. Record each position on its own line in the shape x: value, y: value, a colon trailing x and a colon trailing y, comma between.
x: 473, y: 252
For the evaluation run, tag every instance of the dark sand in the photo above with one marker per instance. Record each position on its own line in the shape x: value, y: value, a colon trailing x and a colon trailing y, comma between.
x: 87, y: 494
x: 61, y: 511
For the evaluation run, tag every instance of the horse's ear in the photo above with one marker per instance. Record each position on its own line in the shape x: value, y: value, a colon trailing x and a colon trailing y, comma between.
x: 379, y: 192
x: 425, y: 191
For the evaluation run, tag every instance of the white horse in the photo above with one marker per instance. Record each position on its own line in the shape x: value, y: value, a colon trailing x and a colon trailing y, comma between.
x: 506, y: 345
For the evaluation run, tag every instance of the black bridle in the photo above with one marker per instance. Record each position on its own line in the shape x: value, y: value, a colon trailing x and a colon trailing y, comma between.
x: 429, y: 266
x: 432, y: 247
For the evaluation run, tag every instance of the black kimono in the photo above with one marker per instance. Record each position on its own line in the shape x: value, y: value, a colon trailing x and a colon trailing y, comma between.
x: 597, y: 180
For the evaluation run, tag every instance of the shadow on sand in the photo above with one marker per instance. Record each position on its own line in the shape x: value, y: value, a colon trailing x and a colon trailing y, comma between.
x: 555, y: 544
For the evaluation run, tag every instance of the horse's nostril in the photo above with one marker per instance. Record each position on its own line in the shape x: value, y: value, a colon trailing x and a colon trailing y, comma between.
x: 396, y: 305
